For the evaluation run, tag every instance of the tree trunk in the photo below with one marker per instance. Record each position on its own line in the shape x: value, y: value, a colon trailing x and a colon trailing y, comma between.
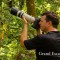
x: 31, y: 7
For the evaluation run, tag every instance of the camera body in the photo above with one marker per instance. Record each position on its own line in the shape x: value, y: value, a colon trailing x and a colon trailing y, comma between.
x: 19, y: 13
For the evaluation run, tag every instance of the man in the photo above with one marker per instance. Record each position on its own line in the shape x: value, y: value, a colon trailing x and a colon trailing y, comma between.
x: 47, y: 45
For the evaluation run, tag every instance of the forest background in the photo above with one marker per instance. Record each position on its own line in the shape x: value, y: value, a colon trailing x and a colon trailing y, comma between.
x: 11, y: 26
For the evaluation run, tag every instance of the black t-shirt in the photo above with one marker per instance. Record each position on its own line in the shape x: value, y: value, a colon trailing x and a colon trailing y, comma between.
x: 47, y: 46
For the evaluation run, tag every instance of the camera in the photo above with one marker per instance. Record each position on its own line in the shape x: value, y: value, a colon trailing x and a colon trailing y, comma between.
x: 19, y: 13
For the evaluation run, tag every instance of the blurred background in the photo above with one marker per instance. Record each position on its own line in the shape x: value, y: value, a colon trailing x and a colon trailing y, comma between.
x: 11, y: 26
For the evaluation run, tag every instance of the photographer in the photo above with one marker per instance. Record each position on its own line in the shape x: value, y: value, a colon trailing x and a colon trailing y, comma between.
x: 47, y: 45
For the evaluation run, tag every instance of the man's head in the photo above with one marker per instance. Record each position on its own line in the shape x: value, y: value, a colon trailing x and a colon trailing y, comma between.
x: 49, y: 20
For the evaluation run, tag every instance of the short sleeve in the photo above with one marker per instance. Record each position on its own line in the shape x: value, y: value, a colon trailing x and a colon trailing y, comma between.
x: 36, y: 42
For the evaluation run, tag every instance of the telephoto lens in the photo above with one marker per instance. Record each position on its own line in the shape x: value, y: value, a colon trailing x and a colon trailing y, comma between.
x: 19, y: 13
x: 35, y: 21
x: 14, y: 11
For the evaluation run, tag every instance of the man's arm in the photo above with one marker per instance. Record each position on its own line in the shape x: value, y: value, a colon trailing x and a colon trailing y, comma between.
x: 24, y: 32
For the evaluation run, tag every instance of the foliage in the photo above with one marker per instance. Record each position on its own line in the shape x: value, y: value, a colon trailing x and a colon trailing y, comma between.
x: 12, y: 26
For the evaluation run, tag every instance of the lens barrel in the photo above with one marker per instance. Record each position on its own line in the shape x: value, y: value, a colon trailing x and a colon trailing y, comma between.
x: 16, y: 12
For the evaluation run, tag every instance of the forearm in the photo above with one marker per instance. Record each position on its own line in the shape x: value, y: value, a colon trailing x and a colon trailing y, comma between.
x: 23, y: 35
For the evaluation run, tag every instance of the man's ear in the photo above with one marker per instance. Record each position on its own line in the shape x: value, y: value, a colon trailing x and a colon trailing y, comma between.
x: 49, y: 23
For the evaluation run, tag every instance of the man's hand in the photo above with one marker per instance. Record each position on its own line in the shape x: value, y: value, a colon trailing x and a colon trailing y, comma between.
x: 24, y: 20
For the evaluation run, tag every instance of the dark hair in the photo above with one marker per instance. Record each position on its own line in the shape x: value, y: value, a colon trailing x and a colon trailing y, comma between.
x: 53, y: 17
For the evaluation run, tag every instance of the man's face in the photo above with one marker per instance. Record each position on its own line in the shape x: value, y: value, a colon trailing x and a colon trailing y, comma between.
x: 44, y: 24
